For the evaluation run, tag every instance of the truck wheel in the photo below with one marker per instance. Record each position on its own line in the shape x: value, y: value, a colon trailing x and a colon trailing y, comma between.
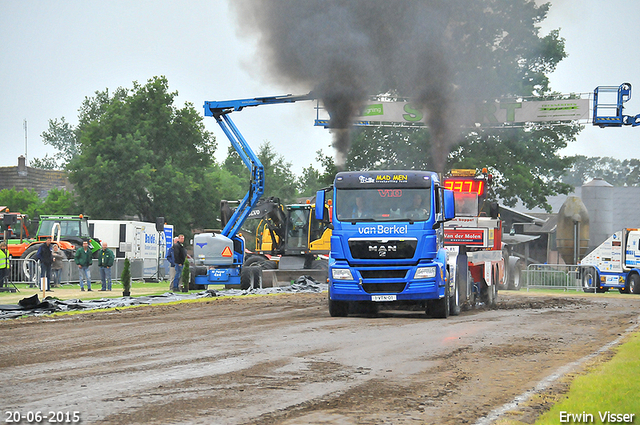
x: 254, y: 258
x: 589, y: 281
x: 247, y: 277
x: 440, y: 308
x: 516, y: 267
x: 627, y: 288
x: 266, y: 265
x: 320, y: 264
x: 338, y: 308
x: 488, y: 294
x: 634, y: 284
x: 454, y: 303
x: 257, y: 277
x: 472, y: 297
x: 196, y: 271
x: 29, y: 269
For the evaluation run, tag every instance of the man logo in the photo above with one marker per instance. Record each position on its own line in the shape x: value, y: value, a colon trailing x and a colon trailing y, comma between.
x: 382, y: 249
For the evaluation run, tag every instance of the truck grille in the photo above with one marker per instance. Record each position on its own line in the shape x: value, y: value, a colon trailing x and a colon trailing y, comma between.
x: 383, y: 274
x: 373, y: 288
x: 375, y: 249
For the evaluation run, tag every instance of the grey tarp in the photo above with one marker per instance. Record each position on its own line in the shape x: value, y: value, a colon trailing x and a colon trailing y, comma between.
x: 33, y: 307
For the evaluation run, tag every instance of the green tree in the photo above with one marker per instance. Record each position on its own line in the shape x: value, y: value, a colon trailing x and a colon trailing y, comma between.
x: 139, y: 155
x: 279, y: 179
x: 614, y: 171
x: 499, y: 52
x: 24, y: 201
x: 523, y: 161
x: 45, y: 163
x: 392, y: 148
x: 312, y: 180
x: 59, y: 201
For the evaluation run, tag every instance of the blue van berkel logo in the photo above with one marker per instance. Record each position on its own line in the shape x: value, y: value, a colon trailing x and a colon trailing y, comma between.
x: 384, y: 229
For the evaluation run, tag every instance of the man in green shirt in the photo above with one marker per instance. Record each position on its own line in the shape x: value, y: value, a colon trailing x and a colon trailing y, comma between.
x: 105, y: 261
x: 84, y: 258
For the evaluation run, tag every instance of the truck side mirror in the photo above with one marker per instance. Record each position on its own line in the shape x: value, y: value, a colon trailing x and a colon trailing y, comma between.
x: 449, y: 205
x: 320, y: 205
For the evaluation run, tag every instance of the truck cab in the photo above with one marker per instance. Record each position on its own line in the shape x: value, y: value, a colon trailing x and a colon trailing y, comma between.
x: 387, y: 241
x: 615, y: 264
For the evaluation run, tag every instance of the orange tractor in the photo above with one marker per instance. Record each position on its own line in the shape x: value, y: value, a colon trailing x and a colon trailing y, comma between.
x: 68, y: 232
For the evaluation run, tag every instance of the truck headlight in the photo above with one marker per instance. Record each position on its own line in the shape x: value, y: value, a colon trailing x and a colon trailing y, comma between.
x: 425, y: 272
x: 341, y: 274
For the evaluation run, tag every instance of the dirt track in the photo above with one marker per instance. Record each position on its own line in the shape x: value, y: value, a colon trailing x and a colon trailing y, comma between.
x: 283, y: 360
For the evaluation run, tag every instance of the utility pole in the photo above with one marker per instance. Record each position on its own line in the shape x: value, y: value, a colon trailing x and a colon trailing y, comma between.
x: 24, y: 124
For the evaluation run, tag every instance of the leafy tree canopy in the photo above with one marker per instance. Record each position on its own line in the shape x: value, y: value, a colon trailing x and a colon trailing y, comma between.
x: 614, y: 171
x: 499, y: 52
x: 279, y: 179
x: 141, y: 156
x: 58, y: 201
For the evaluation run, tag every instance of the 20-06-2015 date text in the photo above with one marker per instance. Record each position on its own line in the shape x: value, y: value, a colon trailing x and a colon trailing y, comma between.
x: 36, y: 417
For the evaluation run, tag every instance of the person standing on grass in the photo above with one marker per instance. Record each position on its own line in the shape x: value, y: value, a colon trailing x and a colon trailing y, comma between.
x: 4, y: 263
x: 172, y: 264
x: 45, y: 256
x: 84, y: 258
x: 105, y: 262
x: 58, y: 263
x: 179, y: 257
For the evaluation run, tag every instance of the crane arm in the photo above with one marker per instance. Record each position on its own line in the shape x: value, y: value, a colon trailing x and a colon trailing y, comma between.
x: 220, y: 111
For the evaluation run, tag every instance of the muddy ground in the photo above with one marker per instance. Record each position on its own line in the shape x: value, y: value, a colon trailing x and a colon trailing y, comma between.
x: 283, y: 360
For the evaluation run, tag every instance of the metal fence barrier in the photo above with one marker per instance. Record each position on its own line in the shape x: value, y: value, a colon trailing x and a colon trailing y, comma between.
x: 28, y: 271
x: 559, y: 276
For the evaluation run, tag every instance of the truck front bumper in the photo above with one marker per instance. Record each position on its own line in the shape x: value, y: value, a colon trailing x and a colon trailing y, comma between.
x: 398, y: 288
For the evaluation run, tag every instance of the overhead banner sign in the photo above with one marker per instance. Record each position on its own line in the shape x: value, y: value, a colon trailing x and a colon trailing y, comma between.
x: 484, y: 114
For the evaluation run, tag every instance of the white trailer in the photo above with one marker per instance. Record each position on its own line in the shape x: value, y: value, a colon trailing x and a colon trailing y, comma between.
x: 136, y: 240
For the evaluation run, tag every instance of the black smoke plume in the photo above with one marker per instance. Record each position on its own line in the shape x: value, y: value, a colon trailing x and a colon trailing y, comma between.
x: 347, y: 50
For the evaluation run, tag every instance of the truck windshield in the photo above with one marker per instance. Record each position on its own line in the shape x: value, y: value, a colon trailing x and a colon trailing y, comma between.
x: 383, y: 204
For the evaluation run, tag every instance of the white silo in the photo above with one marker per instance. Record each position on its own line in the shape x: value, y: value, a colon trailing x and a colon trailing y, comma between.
x: 597, y: 196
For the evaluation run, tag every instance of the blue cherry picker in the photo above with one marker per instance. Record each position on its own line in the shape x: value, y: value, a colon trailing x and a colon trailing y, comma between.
x: 222, y: 255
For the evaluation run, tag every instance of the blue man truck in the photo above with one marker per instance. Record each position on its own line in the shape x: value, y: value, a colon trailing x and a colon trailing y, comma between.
x: 387, y: 245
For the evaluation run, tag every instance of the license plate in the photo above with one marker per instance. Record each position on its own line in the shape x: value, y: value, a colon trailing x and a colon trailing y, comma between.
x: 383, y: 297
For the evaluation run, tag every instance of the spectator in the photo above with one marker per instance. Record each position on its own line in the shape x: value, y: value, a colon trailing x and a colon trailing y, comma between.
x: 45, y: 256
x: 172, y: 264
x: 4, y: 263
x: 105, y: 262
x: 84, y: 258
x: 58, y: 263
x: 179, y: 257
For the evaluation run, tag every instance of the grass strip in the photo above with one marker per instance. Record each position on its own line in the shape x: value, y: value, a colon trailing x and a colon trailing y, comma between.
x: 611, y: 388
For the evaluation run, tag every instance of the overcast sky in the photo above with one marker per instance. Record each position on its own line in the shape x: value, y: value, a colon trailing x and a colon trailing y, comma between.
x: 55, y: 53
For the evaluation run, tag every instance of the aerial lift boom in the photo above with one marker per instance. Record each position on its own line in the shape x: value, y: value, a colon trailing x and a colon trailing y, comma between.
x: 223, y: 254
